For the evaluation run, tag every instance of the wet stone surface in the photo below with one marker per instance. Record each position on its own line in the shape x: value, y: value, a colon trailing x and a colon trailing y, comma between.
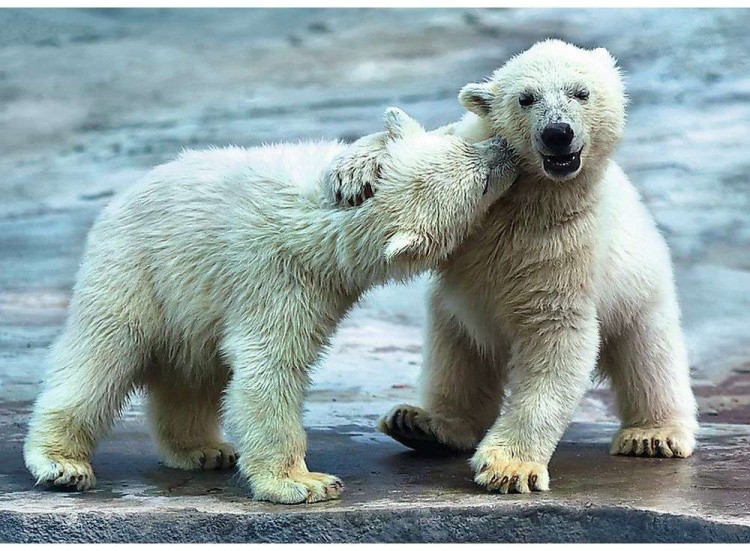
x: 594, y: 496
x: 89, y: 100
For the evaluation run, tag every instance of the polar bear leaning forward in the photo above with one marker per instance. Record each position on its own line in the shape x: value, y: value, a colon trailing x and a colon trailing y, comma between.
x: 568, y: 273
x: 228, y: 269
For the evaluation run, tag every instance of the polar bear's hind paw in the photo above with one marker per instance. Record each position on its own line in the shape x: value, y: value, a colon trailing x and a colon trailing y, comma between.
x: 298, y: 488
x: 653, y: 442
x: 213, y: 456
x: 414, y: 428
x: 64, y: 474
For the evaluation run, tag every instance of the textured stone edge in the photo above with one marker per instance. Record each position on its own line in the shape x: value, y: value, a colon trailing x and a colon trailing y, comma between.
x: 525, y: 523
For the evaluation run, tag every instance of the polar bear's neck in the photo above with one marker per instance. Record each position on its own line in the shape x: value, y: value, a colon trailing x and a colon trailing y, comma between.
x: 540, y: 203
x: 343, y: 247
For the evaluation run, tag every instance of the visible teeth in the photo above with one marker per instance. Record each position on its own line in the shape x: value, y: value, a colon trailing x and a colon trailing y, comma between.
x: 569, y: 160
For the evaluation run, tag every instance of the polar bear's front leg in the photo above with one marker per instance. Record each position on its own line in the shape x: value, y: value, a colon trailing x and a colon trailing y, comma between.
x: 550, y: 366
x: 263, y: 409
x: 353, y: 176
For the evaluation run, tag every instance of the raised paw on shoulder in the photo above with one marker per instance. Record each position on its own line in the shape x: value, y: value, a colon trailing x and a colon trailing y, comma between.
x: 353, y: 176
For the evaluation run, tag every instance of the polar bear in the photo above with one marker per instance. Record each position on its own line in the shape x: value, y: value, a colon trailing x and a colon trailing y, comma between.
x: 568, y: 274
x: 228, y: 270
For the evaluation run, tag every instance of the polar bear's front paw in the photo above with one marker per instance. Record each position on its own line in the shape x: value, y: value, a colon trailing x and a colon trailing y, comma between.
x: 426, y: 433
x: 498, y: 472
x: 667, y: 441
x: 353, y: 177
x: 63, y: 474
x: 212, y: 456
x: 298, y: 487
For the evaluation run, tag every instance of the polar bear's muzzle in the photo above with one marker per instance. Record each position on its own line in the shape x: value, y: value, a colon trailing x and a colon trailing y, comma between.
x: 560, y: 148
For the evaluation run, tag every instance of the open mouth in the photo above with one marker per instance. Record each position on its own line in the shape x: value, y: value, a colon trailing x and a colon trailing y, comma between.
x: 562, y: 165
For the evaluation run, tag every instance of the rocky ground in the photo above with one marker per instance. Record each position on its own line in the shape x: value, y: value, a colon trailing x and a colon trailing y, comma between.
x: 89, y: 100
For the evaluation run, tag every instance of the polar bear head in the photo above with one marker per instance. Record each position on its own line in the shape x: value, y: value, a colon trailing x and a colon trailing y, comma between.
x: 561, y: 108
x: 432, y: 188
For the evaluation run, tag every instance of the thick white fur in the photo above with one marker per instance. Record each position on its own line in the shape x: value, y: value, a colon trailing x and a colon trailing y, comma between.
x: 565, y: 275
x: 228, y: 270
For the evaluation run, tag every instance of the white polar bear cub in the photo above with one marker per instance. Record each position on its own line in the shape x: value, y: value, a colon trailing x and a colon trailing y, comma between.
x: 568, y: 273
x: 227, y: 269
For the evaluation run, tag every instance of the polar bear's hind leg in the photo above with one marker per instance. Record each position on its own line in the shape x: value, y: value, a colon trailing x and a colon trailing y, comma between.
x: 185, y: 419
x: 93, y: 372
x: 649, y: 371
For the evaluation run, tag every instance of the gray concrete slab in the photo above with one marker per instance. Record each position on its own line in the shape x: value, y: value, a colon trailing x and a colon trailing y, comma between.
x: 391, y: 495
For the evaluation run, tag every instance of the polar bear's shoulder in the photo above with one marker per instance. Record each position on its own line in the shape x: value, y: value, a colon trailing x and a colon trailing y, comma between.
x: 619, y: 199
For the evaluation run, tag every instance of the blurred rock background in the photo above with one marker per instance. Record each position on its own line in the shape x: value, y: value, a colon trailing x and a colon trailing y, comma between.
x: 91, y: 99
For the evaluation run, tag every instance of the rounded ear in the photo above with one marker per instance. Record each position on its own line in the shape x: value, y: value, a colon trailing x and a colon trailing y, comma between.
x: 400, y: 125
x: 477, y: 98
x: 405, y: 243
x: 603, y: 55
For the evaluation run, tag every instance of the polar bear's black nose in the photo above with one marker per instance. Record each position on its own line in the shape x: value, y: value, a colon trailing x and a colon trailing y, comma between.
x: 557, y: 137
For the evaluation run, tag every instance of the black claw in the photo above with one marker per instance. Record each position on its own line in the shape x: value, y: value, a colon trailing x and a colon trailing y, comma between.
x: 398, y: 419
x: 419, y: 431
x: 338, y: 197
x: 351, y: 202
x: 368, y: 191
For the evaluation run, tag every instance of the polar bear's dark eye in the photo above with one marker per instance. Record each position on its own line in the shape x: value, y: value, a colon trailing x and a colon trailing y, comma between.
x: 582, y: 94
x: 526, y: 100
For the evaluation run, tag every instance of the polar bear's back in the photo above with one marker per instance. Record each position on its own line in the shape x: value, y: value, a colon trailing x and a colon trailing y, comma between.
x: 203, y: 189
x: 175, y: 249
x: 297, y: 165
